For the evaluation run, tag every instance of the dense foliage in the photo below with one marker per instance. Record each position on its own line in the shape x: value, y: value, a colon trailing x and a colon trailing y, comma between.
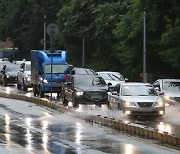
x: 112, y: 31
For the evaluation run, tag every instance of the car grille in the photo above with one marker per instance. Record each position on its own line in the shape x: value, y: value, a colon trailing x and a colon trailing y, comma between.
x: 95, y: 95
x: 145, y: 104
x: 177, y: 99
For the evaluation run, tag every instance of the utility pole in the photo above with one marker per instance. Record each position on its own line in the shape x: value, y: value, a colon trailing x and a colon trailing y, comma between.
x: 83, y: 53
x: 44, y: 32
x: 144, y: 50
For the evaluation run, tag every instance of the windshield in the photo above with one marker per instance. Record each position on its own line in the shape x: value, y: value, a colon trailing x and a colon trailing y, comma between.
x: 57, y: 69
x: 12, y: 68
x: 89, y: 81
x: 138, y: 90
x: 171, y: 85
x: 28, y: 67
x: 111, y: 76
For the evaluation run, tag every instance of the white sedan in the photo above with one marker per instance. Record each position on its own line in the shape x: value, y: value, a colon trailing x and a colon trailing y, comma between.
x: 135, y: 98
x: 170, y: 88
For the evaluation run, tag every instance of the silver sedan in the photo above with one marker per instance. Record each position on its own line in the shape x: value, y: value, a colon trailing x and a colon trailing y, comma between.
x: 135, y: 98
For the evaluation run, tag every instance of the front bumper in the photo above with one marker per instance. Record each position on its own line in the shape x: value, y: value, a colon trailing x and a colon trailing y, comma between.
x: 85, y: 100
x: 46, y: 88
x: 159, y: 110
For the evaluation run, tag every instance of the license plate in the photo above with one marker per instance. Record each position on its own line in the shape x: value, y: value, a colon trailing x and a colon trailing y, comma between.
x: 96, y: 97
x: 57, y: 85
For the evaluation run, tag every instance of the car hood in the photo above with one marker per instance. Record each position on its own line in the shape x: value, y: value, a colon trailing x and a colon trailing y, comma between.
x: 173, y: 93
x: 140, y: 98
x: 27, y: 72
x: 13, y: 74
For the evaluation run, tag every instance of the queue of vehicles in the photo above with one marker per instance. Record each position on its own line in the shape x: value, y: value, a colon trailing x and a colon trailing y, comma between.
x: 86, y: 86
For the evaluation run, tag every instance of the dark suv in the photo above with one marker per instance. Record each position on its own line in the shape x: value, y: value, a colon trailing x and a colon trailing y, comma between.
x: 8, y: 73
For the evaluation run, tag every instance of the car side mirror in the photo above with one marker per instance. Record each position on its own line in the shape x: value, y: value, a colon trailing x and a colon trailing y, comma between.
x: 109, y: 84
x: 157, y: 88
x: 161, y: 93
x: 115, y: 93
x: 73, y: 72
x: 69, y: 83
x: 126, y: 79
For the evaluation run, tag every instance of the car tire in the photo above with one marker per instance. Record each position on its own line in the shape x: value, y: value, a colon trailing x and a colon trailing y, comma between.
x: 64, y: 100
x: 41, y: 93
x: 4, y: 82
x: 35, y: 90
x: 109, y: 105
x: 24, y: 87
x: 74, y: 102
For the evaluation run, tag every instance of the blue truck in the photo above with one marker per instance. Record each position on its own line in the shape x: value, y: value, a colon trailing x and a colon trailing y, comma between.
x: 48, y: 71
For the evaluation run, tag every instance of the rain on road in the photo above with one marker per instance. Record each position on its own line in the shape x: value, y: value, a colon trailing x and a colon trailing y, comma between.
x: 29, y: 128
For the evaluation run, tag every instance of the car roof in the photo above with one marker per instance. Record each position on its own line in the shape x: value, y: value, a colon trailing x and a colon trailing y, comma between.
x: 172, y: 80
x: 135, y: 83
x: 110, y: 72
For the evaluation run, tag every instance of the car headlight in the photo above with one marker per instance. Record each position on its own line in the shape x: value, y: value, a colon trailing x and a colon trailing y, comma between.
x: 159, y: 103
x: 167, y: 97
x: 45, y: 81
x: 79, y: 93
x: 28, y: 78
x: 127, y: 103
x: 7, y: 76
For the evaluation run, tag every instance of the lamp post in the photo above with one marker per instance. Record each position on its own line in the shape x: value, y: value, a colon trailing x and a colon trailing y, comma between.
x: 144, y: 50
x: 44, y: 32
x: 83, y: 53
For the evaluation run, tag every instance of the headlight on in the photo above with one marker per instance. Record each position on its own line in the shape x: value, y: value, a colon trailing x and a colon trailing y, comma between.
x: 28, y: 78
x: 79, y: 93
x: 7, y: 76
x: 127, y: 103
x: 159, y: 103
x: 167, y: 97
x: 45, y: 80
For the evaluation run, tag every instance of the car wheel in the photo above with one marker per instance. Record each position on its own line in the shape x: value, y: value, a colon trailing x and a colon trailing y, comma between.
x: 64, y: 100
x: 74, y: 102
x: 4, y: 82
x: 41, y: 93
x: 24, y: 87
x: 109, y: 105
x: 18, y: 85
x: 35, y: 90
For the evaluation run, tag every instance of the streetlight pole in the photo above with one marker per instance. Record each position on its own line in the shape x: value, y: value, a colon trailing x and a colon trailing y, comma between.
x: 83, y: 53
x: 44, y: 32
x: 144, y: 50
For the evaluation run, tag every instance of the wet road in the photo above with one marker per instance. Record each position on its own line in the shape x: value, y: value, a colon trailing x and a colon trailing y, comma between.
x: 170, y: 122
x: 33, y: 129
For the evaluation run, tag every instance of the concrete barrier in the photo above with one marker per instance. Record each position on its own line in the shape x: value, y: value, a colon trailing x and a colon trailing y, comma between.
x: 119, y: 125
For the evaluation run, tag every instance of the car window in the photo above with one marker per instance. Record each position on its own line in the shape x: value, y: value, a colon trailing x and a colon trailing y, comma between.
x: 89, y: 81
x: 168, y: 85
x: 12, y: 68
x: 56, y: 68
x: 111, y: 76
x: 138, y: 90
x: 116, y: 88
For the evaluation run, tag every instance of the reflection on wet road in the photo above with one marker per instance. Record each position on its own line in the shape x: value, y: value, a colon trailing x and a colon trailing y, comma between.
x: 39, y: 130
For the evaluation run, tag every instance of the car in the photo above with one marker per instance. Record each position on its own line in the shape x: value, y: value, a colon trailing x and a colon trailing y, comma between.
x: 136, y: 98
x: 82, y: 70
x: 24, y: 76
x: 112, y: 78
x: 170, y: 88
x: 84, y: 89
x: 8, y: 73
